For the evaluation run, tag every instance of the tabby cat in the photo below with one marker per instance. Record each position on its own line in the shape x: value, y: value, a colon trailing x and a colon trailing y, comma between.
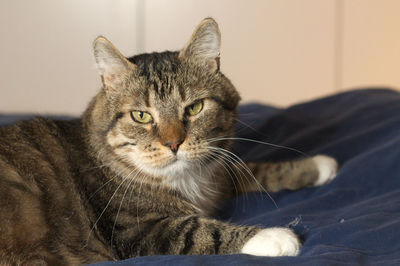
x: 144, y: 169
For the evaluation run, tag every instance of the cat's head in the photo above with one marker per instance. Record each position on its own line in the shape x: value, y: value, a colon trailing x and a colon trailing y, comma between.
x: 162, y: 113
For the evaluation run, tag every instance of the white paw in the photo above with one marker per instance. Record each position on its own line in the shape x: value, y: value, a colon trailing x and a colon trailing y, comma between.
x: 273, y: 242
x: 327, y: 167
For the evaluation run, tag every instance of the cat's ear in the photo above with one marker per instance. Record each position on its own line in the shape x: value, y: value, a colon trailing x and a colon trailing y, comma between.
x: 204, y: 44
x: 113, y: 67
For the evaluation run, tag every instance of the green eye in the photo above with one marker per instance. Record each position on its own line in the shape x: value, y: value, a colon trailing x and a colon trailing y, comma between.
x: 141, y: 117
x: 195, y: 108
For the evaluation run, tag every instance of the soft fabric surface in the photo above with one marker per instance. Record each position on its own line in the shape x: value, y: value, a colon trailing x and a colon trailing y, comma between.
x: 353, y: 220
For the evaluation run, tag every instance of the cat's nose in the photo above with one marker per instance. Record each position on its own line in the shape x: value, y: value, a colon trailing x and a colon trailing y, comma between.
x: 173, y: 145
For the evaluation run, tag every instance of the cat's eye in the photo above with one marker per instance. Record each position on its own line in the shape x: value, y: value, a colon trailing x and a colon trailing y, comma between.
x: 141, y: 117
x: 195, y: 108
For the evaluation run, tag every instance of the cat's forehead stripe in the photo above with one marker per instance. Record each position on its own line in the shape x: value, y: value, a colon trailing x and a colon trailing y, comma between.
x: 159, y: 70
x: 182, y: 93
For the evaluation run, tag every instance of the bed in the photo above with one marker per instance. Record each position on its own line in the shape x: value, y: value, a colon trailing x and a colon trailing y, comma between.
x: 353, y: 220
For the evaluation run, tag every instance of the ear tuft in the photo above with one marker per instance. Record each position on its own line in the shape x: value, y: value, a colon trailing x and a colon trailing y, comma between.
x: 205, y: 43
x: 111, y: 64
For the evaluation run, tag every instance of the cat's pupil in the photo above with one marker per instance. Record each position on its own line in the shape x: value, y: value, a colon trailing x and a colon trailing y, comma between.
x: 141, y: 114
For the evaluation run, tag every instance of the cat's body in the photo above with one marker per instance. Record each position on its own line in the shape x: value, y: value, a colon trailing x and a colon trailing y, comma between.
x: 143, y: 171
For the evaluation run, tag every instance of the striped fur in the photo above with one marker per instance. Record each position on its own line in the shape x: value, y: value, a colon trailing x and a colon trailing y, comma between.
x: 105, y: 187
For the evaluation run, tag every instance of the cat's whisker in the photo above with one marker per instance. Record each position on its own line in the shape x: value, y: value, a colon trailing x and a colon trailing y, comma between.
x: 236, y: 164
x: 105, y: 208
x: 204, y: 164
x: 137, y: 204
x: 261, y: 142
x: 227, y: 160
x: 241, y: 163
x: 102, y: 186
x: 207, y: 185
x: 233, y: 159
x: 141, y: 181
x: 120, y: 205
x: 111, y: 179
x: 222, y: 161
x: 247, y: 126
x: 133, y: 187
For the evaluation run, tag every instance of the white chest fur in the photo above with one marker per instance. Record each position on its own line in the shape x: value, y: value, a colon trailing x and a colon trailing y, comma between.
x: 199, y: 185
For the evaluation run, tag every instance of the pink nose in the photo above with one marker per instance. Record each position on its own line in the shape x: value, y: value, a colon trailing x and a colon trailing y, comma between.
x: 173, y: 145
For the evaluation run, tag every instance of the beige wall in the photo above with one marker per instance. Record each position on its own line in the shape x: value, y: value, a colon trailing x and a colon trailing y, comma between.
x: 371, y: 43
x: 278, y: 52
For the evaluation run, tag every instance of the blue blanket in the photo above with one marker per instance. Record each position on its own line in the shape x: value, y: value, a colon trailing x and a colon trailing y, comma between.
x: 355, y: 219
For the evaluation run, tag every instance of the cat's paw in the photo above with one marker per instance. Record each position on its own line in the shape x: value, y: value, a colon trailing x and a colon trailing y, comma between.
x: 273, y: 242
x: 327, y: 167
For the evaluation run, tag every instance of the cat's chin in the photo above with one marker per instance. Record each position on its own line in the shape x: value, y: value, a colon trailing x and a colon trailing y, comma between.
x: 175, y: 168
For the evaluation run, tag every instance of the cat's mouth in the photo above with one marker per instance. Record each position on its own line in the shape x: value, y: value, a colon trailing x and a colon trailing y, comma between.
x: 168, y: 164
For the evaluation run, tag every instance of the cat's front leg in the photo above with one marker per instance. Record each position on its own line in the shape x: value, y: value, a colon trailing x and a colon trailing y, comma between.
x: 296, y: 174
x: 199, y: 235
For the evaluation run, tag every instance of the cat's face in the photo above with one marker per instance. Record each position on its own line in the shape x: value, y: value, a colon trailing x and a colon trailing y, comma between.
x: 164, y: 112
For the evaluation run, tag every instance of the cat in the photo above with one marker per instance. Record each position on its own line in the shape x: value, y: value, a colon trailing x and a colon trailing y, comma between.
x: 144, y: 169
